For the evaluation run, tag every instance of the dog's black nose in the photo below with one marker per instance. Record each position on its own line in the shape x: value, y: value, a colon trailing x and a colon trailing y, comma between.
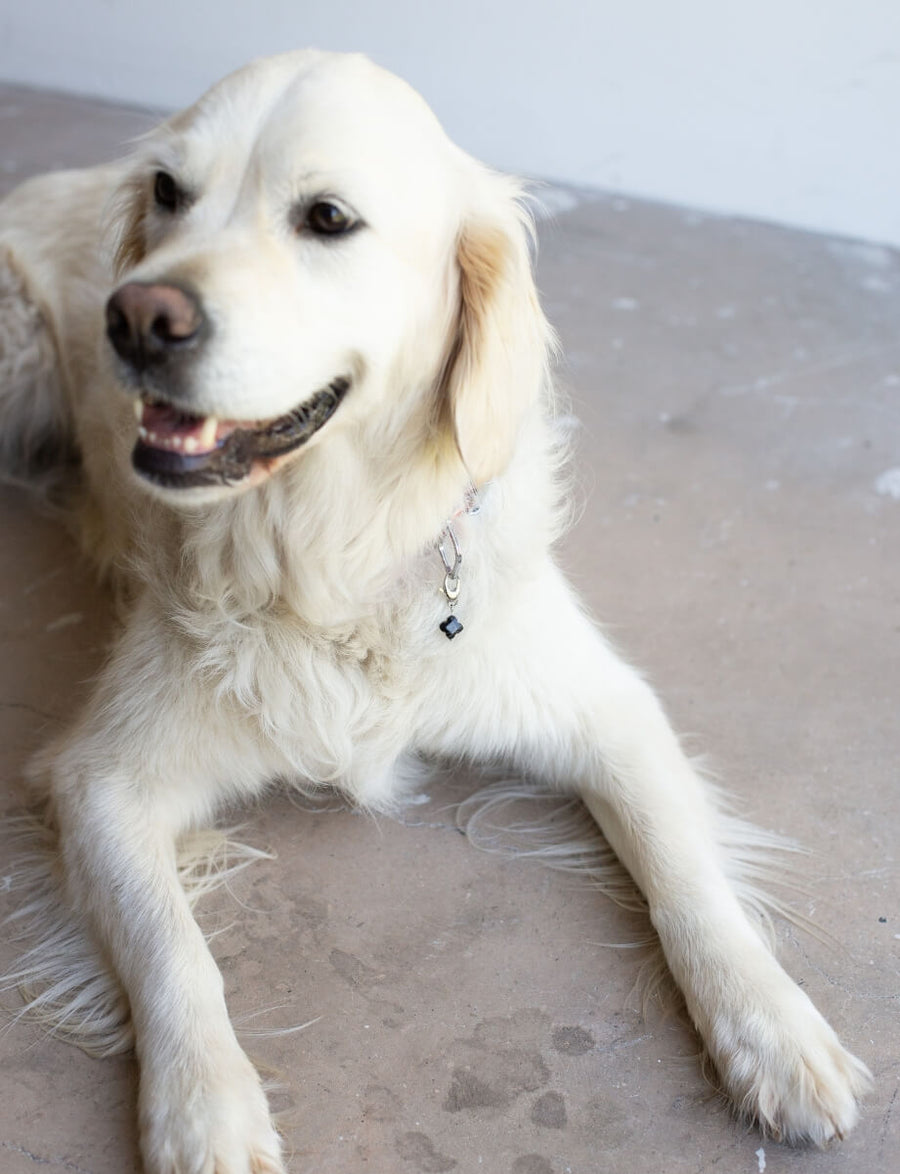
x: 147, y: 324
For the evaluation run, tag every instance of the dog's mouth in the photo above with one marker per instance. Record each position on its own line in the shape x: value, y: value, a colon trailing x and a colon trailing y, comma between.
x: 179, y: 450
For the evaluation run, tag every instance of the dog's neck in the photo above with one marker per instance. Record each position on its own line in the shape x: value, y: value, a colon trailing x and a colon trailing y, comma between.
x: 325, y: 540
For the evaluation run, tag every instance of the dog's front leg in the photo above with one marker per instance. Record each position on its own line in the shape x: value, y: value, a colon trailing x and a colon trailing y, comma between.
x: 540, y: 685
x: 138, y: 769
x: 778, y: 1060
x: 202, y: 1109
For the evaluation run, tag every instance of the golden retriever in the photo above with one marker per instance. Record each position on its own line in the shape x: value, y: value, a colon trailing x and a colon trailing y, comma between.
x: 295, y: 344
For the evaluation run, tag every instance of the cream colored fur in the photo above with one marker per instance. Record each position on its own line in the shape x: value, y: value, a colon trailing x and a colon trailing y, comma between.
x: 289, y: 629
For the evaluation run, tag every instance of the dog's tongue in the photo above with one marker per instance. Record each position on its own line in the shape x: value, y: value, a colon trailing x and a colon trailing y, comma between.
x: 167, y: 427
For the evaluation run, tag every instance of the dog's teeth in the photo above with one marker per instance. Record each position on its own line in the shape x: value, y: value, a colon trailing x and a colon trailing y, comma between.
x: 142, y: 432
x: 177, y: 441
x: 207, y: 437
x: 138, y: 406
x: 190, y: 444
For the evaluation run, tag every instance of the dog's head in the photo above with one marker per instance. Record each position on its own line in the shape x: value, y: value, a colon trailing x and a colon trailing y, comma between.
x: 302, y: 251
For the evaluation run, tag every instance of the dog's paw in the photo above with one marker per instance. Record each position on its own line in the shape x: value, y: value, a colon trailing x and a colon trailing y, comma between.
x: 785, y: 1069
x: 215, y: 1123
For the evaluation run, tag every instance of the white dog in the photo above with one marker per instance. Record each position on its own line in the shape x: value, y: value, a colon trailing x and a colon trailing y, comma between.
x: 293, y: 341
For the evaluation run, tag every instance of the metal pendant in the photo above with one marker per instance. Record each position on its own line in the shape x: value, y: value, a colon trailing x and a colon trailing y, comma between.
x: 451, y: 626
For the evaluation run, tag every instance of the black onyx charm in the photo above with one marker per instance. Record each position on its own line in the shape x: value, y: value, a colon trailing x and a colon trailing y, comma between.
x: 451, y: 627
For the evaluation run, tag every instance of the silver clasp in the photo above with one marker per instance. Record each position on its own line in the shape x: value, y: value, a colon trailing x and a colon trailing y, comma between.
x: 451, y: 579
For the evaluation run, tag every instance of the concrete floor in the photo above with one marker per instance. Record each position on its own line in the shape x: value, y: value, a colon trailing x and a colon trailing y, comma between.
x: 738, y: 388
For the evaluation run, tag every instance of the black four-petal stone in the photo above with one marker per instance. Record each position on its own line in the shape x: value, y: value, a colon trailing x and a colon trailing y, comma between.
x: 451, y: 627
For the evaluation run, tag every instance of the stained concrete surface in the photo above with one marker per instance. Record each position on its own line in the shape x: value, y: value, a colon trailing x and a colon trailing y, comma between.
x: 738, y: 458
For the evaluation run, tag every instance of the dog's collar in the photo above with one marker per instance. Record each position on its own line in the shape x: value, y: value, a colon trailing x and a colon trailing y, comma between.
x: 471, y: 502
x: 451, y: 556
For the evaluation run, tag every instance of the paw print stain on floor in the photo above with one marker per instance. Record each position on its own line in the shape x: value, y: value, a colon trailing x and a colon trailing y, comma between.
x: 498, y: 1063
x: 572, y: 1041
x: 549, y: 1111
x: 418, y: 1149
x: 532, y: 1164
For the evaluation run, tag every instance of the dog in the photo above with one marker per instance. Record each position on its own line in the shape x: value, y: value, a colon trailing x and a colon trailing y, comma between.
x: 288, y: 364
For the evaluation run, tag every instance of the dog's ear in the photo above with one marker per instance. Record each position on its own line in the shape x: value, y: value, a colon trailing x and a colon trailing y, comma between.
x: 36, y: 431
x: 498, y: 361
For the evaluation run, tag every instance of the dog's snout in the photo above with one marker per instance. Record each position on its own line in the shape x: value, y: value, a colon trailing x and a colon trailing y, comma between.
x: 147, y: 324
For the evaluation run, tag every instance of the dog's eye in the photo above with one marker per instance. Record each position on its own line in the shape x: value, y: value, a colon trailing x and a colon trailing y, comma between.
x: 328, y: 219
x: 165, y: 191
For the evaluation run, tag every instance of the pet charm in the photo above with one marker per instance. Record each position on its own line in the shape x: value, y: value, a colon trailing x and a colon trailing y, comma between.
x: 451, y: 626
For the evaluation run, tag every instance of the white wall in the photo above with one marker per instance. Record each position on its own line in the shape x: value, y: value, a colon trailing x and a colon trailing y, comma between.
x: 787, y: 110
